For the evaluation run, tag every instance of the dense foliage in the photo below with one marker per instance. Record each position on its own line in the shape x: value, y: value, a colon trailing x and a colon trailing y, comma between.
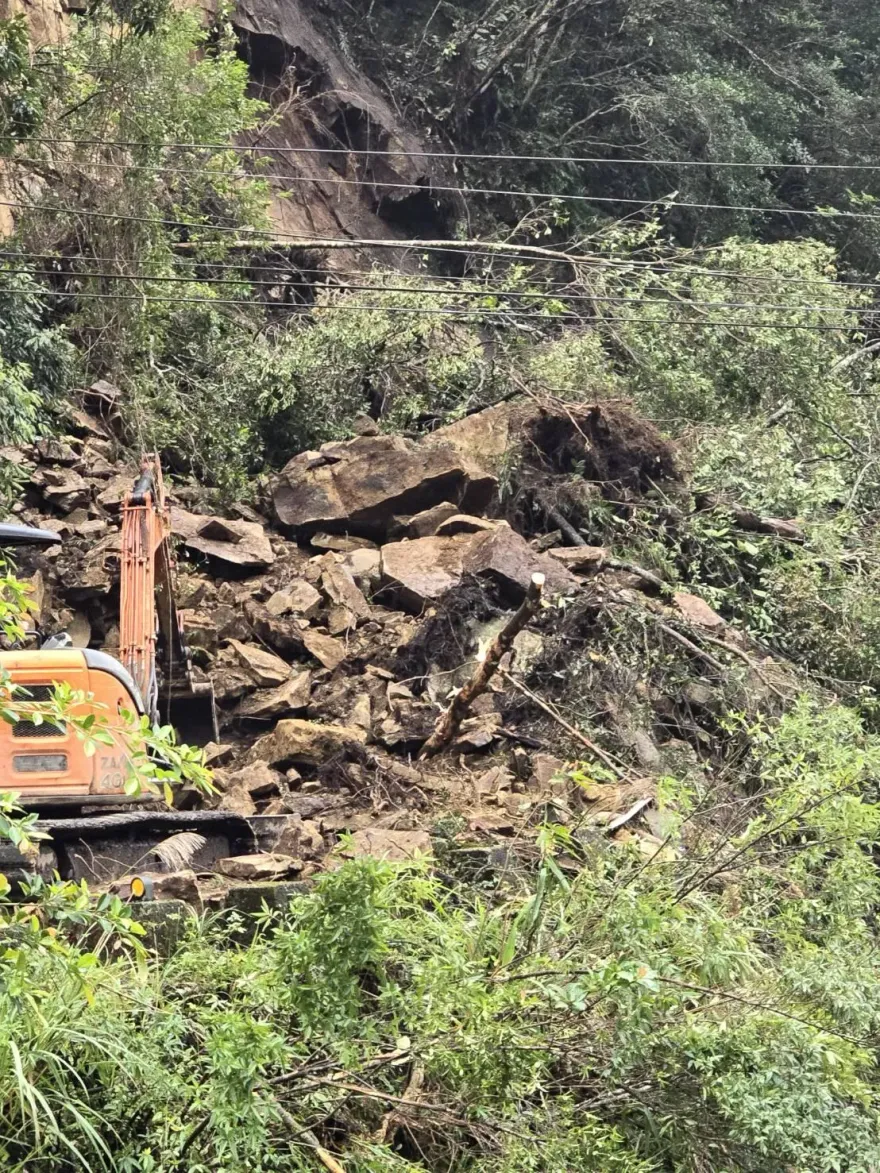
x: 711, y: 1007
x: 708, y: 1008
x: 788, y: 85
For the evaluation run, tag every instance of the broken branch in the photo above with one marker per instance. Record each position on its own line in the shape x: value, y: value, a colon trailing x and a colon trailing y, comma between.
x: 747, y: 659
x: 691, y: 646
x: 487, y: 666
x: 562, y: 523
x: 410, y: 1096
x: 600, y: 753
x: 747, y: 519
x: 639, y: 571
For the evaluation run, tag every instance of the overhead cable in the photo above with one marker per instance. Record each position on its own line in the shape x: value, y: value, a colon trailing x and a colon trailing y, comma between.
x: 411, y: 290
x: 432, y: 310
x: 668, y: 200
x: 271, y: 237
x: 684, y: 268
x: 771, y: 165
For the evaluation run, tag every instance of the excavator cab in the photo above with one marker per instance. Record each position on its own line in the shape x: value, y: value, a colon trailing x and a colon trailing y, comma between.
x: 44, y: 761
x: 47, y: 763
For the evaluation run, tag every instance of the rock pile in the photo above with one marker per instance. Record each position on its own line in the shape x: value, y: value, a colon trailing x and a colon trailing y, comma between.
x: 308, y: 623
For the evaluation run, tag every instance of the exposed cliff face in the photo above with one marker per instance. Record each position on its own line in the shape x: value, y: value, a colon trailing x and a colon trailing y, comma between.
x: 321, y: 103
x: 46, y: 18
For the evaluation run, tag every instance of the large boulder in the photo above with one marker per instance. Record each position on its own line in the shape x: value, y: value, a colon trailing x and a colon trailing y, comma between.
x: 421, y: 571
x: 360, y: 485
x: 242, y: 544
x: 505, y: 557
x: 486, y: 437
x: 265, y: 668
x: 296, y: 742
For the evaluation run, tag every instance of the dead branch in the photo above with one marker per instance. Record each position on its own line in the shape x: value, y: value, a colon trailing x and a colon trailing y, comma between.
x: 487, y: 666
x: 639, y: 571
x: 562, y: 523
x: 777, y: 526
x: 410, y: 1096
x: 752, y: 522
x: 620, y: 771
x: 325, y: 1066
x: 747, y: 659
x: 691, y: 646
x: 327, y: 1159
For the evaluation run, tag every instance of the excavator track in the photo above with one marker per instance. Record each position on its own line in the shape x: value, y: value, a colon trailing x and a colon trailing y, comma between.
x: 104, y: 848
x: 168, y: 822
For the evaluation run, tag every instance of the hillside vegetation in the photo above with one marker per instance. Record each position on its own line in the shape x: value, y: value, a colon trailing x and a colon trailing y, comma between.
x: 702, y: 246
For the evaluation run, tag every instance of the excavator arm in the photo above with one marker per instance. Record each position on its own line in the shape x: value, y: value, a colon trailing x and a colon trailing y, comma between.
x: 152, y: 645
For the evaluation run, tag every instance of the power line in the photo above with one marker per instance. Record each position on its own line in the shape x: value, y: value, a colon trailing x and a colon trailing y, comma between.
x: 272, y: 236
x: 543, y: 195
x: 662, y: 267
x: 460, y: 156
x: 524, y: 253
x: 430, y: 310
x: 416, y: 290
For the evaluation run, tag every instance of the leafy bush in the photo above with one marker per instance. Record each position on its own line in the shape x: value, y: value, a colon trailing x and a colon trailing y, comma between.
x: 713, y: 1008
x: 36, y: 363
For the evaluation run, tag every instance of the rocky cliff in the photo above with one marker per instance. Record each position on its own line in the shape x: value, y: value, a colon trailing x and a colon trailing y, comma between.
x: 321, y: 105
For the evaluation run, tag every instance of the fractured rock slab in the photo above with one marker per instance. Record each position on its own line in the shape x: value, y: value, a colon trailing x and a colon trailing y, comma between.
x: 358, y: 486
x: 267, y: 669
x: 243, y: 544
x: 295, y: 742
x: 290, y: 697
x: 426, y: 523
x: 421, y: 571
x: 340, y: 588
x: 65, y: 489
x: 300, y: 598
x: 259, y: 867
x: 580, y: 559
x: 258, y: 779
x: 394, y: 846
x: 327, y: 651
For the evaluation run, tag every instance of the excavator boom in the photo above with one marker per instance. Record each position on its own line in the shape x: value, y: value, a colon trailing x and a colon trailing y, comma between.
x: 144, y: 536
x: 151, y: 639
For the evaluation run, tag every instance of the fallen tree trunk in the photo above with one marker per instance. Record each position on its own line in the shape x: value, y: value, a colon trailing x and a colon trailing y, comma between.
x: 752, y: 522
x: 487, y: 665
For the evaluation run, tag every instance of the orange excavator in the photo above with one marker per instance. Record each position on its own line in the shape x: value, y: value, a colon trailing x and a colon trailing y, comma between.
x: 45, y: 764
x: 154, y: 673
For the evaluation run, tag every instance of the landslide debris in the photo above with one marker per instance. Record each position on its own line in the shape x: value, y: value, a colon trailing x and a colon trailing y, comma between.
x: 336, y: 633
